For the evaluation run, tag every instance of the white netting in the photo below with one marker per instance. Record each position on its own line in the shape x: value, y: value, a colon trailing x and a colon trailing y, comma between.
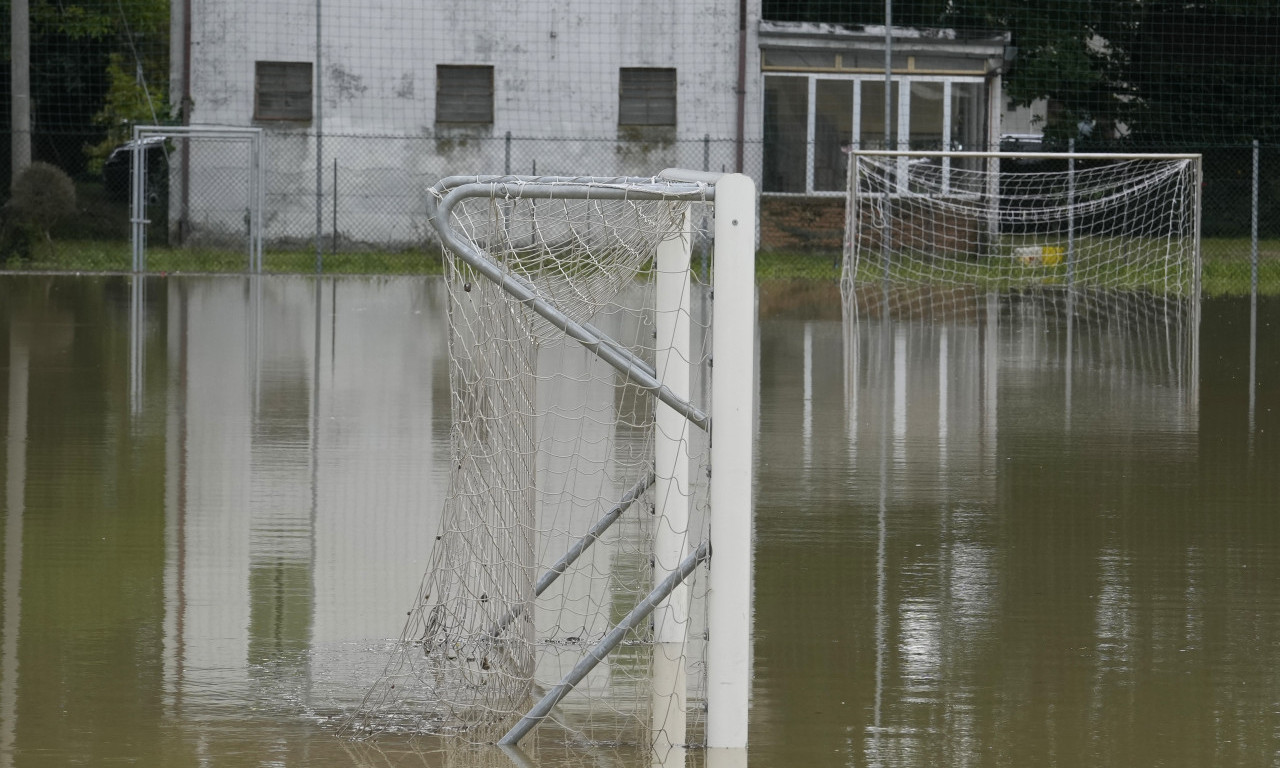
x: 546, y: 440
x: 1008, y: 222
x: 1099, y: 252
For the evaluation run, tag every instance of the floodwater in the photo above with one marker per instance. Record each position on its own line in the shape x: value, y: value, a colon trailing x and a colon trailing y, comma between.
x: 972, y: 548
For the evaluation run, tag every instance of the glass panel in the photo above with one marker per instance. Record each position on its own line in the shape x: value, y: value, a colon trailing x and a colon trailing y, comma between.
x: 926, y: 116
x: 832, y: 134
x: 968, y: 117
x: 871, y: 119
x: 950, y: 64
x: 786, y: 130
x: 968, y: 128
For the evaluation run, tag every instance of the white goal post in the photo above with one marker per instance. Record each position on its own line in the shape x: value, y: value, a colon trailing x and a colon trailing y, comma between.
x: 583, y: 394
x: 1098, y: 220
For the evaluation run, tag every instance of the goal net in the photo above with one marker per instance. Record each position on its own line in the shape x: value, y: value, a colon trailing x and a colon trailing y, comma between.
x: 1006, y: 221
x: 579, y: 505
x: 1096, y: 242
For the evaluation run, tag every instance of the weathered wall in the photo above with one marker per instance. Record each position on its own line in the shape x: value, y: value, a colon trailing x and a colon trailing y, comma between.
x: 555, y: 79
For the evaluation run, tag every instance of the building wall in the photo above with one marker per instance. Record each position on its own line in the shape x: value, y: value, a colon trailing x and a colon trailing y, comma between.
x: 556, y: 71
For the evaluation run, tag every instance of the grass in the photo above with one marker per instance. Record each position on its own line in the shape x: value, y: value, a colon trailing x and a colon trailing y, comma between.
x: 1226, y: 270
x: 117, y: 256
x: 97, y: 240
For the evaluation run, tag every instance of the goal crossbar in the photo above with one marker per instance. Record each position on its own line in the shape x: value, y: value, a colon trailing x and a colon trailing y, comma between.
x: 453, y: 190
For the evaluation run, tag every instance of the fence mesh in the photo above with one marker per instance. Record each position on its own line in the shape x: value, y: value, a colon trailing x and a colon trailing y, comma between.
x: 362, y: 109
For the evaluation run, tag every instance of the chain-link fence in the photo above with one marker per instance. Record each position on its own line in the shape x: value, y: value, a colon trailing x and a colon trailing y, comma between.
x: 370, y: 213
x: 351, y: 143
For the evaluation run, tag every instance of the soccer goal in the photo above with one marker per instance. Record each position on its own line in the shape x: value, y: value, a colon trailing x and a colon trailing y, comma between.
x: 1010, y: 221
x: 569, y: 581
x: 1103, y: 247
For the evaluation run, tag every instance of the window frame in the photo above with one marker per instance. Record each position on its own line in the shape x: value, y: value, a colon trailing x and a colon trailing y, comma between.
x: 649, y: 101
x: 286, y: 91
x: 477, y: 104
x: 902, y: 117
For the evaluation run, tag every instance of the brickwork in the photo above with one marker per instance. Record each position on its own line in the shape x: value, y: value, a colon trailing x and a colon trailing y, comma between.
x: 801, y: 223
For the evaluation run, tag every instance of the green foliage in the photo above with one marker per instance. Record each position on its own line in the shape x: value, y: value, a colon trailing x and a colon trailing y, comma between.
x: 81, y: 21
x: 128, y: 103
x: 17, y: 238
x: 84, y: 55
x: 41, y: 196
x: 1157, y: 73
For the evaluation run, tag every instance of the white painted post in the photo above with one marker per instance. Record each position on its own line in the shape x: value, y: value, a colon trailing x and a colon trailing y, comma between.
x: 729, y: 598
x: 671, y: 448
x: 669, y: 704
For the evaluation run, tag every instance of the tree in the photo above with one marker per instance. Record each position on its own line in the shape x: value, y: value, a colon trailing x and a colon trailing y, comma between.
x: 1204, y: 73
x: 74, y: 49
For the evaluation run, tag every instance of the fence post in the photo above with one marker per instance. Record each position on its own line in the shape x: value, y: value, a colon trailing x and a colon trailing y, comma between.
x: 506, y: 167
x: 1253, y: 299
x: 1253, y: 227
x: 706, y: 166
x: 319, y: 126
x: 333, y: 246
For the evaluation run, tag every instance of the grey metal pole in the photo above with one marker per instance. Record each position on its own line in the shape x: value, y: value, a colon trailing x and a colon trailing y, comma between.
x: 1253, y: 301
x: 440, y: 204
x: 1071, y: 212
x: 506, y: 166
x: 1253, y: 228
x: 706, y: 168
x: 333, y: 246
x: 602, y: 648
x: 137, y: 198
x: 20, y: 78
x: 888, y: 74
x: 581, y: 545
x: 319, y: 84
x: 886, y: 225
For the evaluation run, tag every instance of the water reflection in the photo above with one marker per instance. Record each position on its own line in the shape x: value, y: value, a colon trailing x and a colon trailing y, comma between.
x: 15, y: 510
x: 1027, y: 535
x: 227, y: 517
x: 973, y: 547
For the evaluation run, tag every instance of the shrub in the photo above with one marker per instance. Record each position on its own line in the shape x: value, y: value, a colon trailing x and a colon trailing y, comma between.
x: 41, y: 196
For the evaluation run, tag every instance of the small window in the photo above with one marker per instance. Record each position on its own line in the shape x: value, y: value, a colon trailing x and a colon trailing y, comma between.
x: 464, y: 94
x: 282, y: 90
x: 646, y: 96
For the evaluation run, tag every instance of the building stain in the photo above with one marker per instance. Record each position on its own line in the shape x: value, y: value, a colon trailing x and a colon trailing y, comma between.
x: 404, y: 89
x: 343, y: 85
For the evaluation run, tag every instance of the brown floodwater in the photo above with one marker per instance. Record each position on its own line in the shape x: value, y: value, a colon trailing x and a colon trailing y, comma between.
x: 978, y: 542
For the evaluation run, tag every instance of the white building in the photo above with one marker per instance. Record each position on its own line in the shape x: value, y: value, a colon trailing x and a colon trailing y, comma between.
x: 375, y: 103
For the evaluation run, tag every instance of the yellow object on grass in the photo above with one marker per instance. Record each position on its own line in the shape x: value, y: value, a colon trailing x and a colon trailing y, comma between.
x: 1035, y: 255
